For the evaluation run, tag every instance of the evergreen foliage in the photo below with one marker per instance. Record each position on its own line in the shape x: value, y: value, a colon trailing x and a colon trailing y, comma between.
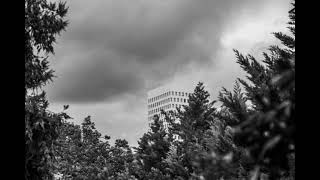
x: 152, y: 149
x: 190, y: 125
x: 267, y: 129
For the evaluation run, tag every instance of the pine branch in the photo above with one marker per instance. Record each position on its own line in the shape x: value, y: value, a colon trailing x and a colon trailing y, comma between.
x: 285, y: 39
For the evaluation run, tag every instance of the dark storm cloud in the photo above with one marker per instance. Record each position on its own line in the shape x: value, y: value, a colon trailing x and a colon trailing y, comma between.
x: 112, y: 47
x: 81, y: 80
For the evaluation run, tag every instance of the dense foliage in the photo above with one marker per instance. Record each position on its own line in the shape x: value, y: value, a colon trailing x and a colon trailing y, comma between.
x: 267, y: 128
x: 82, y: 153
x: 153, y: 148
x: 43, y: 21
x: 250, y: 136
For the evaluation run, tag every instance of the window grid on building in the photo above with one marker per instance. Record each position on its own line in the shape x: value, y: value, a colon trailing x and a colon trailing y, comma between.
x: 167, y: 101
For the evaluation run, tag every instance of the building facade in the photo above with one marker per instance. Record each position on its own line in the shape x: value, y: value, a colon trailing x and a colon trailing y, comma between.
x: 167, y: 99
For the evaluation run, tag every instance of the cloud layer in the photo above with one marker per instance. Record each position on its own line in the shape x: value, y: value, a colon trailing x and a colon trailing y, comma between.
x: 115, y: 50
x: 114, y: 47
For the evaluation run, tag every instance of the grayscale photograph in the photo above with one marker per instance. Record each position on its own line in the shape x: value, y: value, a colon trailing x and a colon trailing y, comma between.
x: 160, y: 89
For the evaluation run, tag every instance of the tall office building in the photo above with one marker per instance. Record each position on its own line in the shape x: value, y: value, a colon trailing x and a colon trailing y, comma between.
x: 166, y: 98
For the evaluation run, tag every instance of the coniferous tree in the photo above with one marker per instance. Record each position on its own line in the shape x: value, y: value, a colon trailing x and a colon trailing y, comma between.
x: 267, y: 129
x: 190, y: 124
x: 43, y: 21
x: 152, y: 150
x: 234, y: 111
x: 216, y: 155
x: 195, y: 118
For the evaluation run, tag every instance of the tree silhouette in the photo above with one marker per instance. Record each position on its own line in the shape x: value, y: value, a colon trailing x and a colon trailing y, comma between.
x: 267, y: 128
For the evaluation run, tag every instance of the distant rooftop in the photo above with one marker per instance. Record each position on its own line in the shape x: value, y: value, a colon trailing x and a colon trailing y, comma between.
x: 168, y: 87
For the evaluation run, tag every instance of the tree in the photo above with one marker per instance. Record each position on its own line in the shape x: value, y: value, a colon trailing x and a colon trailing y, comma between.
x: 234, y: 111
x: 267, y: 129
x: 80, y: 151
x: 121, y: 158
x: 196, y: 117
x: 190, y: 124
x: 152, y: 149
x: 43, y: 21
x: 66, y: 150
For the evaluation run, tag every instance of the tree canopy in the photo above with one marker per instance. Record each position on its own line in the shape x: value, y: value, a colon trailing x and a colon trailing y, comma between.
x: 43, y: 21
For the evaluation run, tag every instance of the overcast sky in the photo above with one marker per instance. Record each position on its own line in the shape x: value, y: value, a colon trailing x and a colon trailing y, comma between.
x: 114, y: 51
